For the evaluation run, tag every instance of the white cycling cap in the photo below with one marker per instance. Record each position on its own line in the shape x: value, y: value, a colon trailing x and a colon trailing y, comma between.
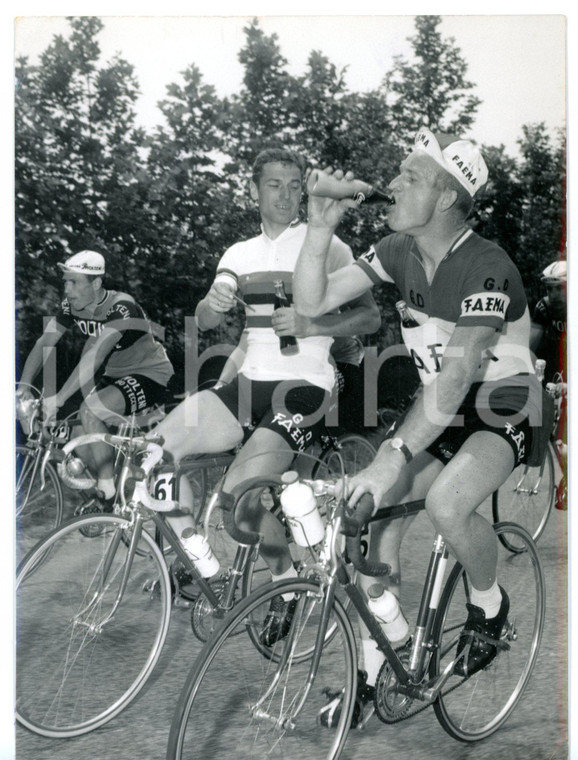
x: 555, y: 272
x: 461, y: 158
x: 85, y: 262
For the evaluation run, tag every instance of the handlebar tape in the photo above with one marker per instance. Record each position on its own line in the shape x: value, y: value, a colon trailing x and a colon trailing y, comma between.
x: 353, y: 522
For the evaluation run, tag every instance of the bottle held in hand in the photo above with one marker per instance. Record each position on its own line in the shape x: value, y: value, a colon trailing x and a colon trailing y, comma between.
x: 328, y: 186
x: 287, y: 343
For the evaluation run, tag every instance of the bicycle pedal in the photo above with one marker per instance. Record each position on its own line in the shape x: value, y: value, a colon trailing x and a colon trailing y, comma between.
x: 183, y: 604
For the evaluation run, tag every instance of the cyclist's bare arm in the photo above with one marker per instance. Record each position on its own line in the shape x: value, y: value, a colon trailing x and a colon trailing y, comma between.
x: 36, y: 358
x: 315, y: 292
x: 358, y: 317
x: 234, y: 361
x: 82, y: 376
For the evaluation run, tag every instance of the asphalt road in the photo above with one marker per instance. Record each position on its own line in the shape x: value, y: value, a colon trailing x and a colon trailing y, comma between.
x: 536, y: 731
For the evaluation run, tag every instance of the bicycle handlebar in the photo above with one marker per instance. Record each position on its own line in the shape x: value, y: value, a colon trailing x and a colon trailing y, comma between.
x: 229, y: 501
x: 352, y: 523
x: 153, y: 455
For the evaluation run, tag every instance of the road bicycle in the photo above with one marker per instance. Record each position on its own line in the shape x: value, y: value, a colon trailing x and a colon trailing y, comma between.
x: 93, y: 600
x: 245, y: 700
x: 38, y: 491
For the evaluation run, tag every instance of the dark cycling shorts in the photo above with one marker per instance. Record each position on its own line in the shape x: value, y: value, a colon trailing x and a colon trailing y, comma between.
x: 505, y: 403
x: 292, y: 408
x: 139, y: 392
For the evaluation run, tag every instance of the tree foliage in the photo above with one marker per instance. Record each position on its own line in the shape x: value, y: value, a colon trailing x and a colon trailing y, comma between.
x: 164, y: 206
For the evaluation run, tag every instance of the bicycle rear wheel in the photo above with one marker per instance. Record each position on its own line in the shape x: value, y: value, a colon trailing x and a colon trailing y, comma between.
x: 470, y: 709
x: 247, y: 702
x: 80, y: 660
x: 38, y: 510
x: 355, y: 451
x: 526, y: 498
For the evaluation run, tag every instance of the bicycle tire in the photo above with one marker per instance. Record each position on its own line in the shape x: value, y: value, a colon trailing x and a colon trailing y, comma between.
x: 37, y: 511
x: 76, y: 671
x: 526, y: 498
x: 356, y: 452
x: 473, y: 708
x: 218, y: 714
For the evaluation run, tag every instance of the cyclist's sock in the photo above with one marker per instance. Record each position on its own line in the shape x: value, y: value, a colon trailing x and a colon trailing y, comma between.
x: 106, y: 485
x: 372, y: 660
x: 489, y: 600
x: 290, y: 573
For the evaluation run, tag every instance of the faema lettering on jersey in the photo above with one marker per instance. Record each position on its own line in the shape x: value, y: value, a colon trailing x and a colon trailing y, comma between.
x: 484, y: 304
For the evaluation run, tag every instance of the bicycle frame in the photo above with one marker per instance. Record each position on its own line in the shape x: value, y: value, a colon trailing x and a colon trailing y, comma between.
x: 408, y: 678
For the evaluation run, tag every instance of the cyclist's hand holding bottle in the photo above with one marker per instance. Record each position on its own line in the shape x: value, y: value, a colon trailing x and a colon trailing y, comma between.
x: 324, y: 211
x: 287, y: 321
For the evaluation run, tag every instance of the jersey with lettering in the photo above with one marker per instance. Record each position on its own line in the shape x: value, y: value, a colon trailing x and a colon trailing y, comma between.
x: 552, y: 317
x: 475, y: 284
x: 137, y: 351
x: 252, y: 267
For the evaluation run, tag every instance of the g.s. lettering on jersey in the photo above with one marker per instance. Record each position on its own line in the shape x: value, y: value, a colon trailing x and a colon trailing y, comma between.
x: 475, y: 284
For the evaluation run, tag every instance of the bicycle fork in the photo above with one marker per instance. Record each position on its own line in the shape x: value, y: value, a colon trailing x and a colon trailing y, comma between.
x: 81, y: 617
x: 303, y: 610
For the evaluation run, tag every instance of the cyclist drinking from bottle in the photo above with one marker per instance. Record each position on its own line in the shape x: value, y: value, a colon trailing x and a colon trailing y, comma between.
x: 471, y: 421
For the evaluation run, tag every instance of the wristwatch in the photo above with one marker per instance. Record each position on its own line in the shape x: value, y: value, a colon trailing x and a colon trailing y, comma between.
x: 398, y: 444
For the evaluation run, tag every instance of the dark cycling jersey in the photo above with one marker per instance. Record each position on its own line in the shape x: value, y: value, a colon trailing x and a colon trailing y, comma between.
x: 475, y: 284
x: 137, y: 351
x: 552, y: 346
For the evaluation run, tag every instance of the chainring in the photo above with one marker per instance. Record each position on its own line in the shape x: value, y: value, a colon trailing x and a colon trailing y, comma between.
x: 203, y: 622
x: 390, y: 705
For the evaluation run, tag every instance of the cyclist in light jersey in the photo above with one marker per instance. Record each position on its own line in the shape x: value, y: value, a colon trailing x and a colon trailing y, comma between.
x: 275, y: 403
x: 119, y: 337
x: 479, y: 402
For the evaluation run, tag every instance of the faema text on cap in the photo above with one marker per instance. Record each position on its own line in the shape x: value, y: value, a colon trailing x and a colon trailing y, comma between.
x: 461, y: 158
x: 555, y: 272
x: 85, y: 262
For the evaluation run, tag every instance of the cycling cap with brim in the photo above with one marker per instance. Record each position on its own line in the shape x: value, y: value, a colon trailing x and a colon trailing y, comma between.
x: 555, y: 272
x: 461, y: 158
x: 85, y: 262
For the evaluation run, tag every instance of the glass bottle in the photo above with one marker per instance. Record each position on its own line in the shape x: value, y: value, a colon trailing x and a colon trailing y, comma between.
x: 287, y: 343
x: 407, y: 320
x: 328, y: 186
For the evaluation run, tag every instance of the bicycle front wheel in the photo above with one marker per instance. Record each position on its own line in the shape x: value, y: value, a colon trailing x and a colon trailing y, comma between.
x: 38, y: 509
x: 81, y: 657
x: 251, y: 702
x: 526, y: 498
x: 472, y: 708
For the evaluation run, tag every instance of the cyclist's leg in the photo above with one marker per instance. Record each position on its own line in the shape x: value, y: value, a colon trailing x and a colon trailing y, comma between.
x: 101, y: 406
x: 291, y: 420
x: 201, y: 424
x: 265, y: 453
x: 481, y: 465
